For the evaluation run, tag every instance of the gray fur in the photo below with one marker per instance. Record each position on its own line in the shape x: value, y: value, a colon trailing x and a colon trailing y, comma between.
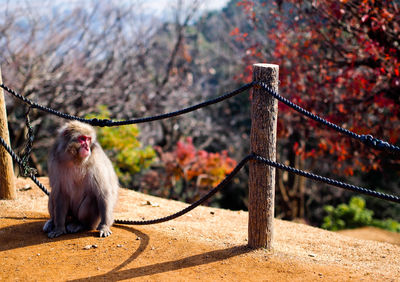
x: 84, y: 192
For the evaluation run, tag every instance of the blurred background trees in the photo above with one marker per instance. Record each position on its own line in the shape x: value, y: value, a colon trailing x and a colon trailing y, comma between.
x: 339, y: 59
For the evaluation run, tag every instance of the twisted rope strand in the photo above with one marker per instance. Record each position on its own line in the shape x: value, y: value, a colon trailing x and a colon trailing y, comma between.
x: 21, y: 164
x: 26, y: 169
x: 255, y: 157
x: 368, y: 140
x: 40, y: 107
x: 212, y: 192
x: 327, y: 180
x: 107, y: 122
x: 226, y: 180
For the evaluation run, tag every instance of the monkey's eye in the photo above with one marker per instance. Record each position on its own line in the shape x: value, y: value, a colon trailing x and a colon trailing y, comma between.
x: 84, y: 139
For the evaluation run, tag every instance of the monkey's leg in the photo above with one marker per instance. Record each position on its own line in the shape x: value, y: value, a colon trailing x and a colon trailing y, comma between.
x: 88, y: 215
x: 49, y: 225
x: 60, y: 215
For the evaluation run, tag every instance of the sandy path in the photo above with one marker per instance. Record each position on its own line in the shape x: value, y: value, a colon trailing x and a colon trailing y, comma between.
x: 207, y: 244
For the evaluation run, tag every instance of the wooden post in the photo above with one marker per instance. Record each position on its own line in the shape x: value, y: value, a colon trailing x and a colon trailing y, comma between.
x: 7, y: 186
x: 264, y: 112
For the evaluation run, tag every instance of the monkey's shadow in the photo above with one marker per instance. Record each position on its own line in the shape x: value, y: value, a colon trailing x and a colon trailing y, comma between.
x: 16, y: 236
x: 30, y: 234
x: 117, y: 274
x: 22, y: 235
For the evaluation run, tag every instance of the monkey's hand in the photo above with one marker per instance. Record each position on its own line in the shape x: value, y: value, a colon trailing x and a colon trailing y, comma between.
x: 56, y: 232
x: 104, y: 230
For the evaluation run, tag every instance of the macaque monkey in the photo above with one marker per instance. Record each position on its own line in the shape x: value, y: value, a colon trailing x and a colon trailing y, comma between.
x: 84, y: 183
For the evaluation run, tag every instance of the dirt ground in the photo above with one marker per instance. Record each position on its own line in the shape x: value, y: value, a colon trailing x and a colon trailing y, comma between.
x: 208, y: 244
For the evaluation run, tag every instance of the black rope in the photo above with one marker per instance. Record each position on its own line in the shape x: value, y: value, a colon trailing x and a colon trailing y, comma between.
x: 20, y: 163
x: 326, y: 180
x: 226, y: 180
x: 255, y: 157
x: 368, y: 140
x: 221, y: 185
x: 25, y: 169
x: 40, y: 107
x: 107, y: 122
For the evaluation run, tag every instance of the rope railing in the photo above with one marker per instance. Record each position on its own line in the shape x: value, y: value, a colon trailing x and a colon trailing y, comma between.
x: 254, y: 157
x: 108, y: 122
x: 366, y: 139
x: 21, y: 164
x: 336, y: 183
x: 224, y: 183
x: 212, y: 192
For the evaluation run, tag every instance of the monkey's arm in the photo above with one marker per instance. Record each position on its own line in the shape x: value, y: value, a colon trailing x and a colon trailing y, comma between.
x: 107, y: 186
x: 105, y: 206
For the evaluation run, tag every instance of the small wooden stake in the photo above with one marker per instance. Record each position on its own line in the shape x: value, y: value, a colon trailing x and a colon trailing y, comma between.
x: 7, y: 186
x: 264, y: 112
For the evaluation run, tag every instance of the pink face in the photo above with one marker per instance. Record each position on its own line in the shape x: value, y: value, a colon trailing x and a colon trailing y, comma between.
x: 84, y: 150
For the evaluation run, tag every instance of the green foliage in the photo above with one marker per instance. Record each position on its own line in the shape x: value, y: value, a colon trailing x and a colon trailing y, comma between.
x: 124, y: 149
x: 388, y: 224
x: 353, y: 215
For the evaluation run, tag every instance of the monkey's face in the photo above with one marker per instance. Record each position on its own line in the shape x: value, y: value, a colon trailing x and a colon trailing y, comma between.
x: 80, y: 148
x: 84, y: 149
x: 77, y: 140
